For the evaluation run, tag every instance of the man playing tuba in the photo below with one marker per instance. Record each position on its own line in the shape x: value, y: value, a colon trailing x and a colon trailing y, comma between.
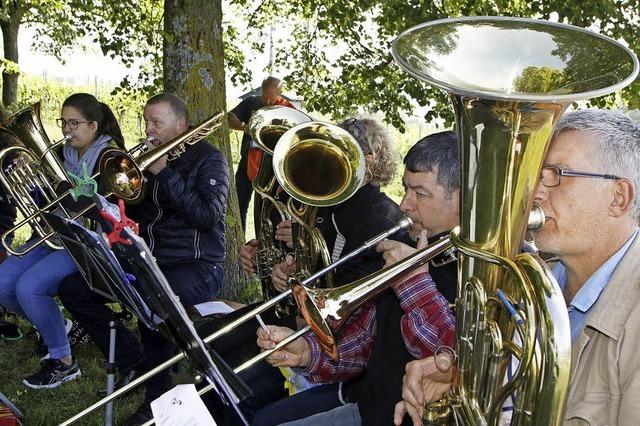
x: 588, y: 189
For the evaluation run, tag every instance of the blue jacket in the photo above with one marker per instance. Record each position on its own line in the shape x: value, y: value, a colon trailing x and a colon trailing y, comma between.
x: 182, y: 216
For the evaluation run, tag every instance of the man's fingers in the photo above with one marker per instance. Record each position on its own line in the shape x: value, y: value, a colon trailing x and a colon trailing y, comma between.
x: 383, y: 246
x: 398, y: 413
x: 444, y: 362
x: 415, y: 413
x: 422, y: 241
x: 412, y: 393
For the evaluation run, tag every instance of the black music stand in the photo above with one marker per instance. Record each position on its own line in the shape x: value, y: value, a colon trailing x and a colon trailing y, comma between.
x: 102, y: 269
x: 138, y: 258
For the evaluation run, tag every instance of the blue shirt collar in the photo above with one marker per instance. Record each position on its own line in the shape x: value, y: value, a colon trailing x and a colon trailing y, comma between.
x: 589, y: 293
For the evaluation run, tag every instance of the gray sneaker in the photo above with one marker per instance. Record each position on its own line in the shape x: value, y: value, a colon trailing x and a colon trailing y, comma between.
x: 52, y: 373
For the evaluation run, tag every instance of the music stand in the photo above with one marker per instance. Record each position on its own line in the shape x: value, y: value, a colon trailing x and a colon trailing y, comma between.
x: 138, y: 258
x: 103, y: 269
x: 100, y: 268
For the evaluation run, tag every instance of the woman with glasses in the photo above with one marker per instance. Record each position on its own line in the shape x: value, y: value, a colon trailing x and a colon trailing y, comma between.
x: 28, y: 284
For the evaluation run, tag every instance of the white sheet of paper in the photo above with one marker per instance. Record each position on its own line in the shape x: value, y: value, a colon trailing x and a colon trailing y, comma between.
x: 214, y: 307
x: 181, y: 406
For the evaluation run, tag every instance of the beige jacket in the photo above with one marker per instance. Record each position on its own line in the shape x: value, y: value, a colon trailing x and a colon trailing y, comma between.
x: 604, y: 388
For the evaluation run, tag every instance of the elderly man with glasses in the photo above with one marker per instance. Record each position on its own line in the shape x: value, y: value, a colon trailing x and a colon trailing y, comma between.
x: 588, y: 190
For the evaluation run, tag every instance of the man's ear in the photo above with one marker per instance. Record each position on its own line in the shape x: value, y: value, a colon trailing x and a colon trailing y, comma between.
x: 622, y: 200
x: 182, y: 125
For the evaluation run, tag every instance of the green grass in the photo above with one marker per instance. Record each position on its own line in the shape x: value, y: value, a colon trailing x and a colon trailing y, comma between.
x: 51, y: 407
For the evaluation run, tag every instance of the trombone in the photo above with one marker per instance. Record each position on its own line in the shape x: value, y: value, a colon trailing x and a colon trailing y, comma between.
x: 403, y: 224
x: 318, y: 306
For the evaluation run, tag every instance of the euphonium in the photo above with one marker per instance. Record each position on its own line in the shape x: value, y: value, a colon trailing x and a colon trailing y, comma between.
x: 319, y: 165
x: 506, y: 101
x: 31, y: 169
x: 265, y: 127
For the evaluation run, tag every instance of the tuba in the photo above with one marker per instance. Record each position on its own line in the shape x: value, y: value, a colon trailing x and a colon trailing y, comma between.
x: 318, y: 165
x: 265, y: 127
x: 506, y: 102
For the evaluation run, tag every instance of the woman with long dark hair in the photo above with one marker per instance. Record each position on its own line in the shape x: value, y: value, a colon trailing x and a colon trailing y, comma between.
x: 28, y: 284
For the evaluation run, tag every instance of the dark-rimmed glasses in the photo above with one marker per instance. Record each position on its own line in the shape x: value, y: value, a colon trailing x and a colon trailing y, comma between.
x: 550, y: 175
x: 73, y: 124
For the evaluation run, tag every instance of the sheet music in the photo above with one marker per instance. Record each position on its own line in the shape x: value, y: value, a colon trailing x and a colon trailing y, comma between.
x: 213, y: 307
x: 181, y: 406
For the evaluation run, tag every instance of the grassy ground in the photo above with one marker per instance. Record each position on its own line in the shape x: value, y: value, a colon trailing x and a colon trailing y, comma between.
x: 51, y: 407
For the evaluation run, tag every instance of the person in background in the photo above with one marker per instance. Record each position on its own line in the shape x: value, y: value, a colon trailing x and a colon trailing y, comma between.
x: 250, y: 154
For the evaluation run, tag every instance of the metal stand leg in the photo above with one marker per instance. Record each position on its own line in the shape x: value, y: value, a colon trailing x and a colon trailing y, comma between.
x: 111, y: 372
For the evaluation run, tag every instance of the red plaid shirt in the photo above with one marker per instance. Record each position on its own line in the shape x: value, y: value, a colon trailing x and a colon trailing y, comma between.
x: 427, y: 324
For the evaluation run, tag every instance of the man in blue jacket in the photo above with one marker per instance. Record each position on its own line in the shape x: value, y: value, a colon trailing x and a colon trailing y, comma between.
x: 182, y: 219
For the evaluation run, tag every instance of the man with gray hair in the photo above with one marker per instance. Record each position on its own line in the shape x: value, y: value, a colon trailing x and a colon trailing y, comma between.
x: 588, y: 189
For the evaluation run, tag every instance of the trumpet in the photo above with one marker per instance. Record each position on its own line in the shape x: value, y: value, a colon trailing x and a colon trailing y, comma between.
x: 123, y: 173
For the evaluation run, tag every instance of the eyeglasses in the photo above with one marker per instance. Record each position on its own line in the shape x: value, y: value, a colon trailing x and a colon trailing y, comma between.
x: 550, y: 175
x: 73, y: 124
x: 357, y: 130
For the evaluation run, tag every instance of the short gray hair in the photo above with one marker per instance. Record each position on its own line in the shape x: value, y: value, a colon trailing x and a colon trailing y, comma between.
x: 177, y: 105
x: 438, y: 151
x: 617, y: 144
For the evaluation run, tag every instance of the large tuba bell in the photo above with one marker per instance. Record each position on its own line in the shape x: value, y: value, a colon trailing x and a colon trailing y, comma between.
x: 509, y: 80
x: 319, y: 165
x: 265, y: 127
x: 31, y: 169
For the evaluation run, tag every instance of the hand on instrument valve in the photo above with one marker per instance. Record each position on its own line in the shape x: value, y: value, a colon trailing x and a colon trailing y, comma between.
x: 283, y: 233
x: 425, y: 381
x: 248, y: 253
x: 394, y: 251
x: 281, y: 272
x: 295, y: 354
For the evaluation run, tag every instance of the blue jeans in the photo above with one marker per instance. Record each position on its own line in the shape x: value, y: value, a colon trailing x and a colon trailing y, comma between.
x: 345, y: 415
x: 28, y: 285
x: 299, y: 406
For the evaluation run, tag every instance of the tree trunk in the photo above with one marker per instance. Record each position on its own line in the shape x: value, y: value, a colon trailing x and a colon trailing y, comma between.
x: 10, y: 29
x: 193, y: 68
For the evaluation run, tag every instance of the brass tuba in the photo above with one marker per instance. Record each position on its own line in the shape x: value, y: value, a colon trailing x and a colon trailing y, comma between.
x: 265, y: 127
x: 319, y: 165
x: 506, y: 102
